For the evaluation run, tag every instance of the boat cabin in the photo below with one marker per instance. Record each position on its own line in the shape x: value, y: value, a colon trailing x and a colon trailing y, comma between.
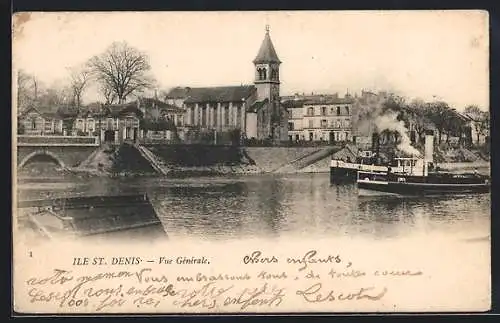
x: 409, y: 166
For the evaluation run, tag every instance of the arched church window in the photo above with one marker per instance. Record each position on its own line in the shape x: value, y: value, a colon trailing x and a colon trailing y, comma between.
x: 274, y: 74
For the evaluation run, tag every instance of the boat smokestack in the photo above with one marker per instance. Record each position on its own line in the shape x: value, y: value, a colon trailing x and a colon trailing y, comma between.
x: 375, y: 142
x: 429, y: 147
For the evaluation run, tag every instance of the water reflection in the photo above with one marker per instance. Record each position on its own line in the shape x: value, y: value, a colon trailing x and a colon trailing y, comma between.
x: 298, y: 205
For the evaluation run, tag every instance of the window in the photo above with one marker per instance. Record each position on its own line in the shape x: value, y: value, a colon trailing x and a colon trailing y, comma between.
x: 226, y: 115
x: 290, y: 126
x: 262, y: 73
x: 238, y: 115
x: 274, y: 74
x: 310, y: 111
x: 191, y: 116
x: 311, y: 123
x: 204, y: 116
x: 90, y: 124
x: 324, y: 123
x: 347, y: 109
x: 33, y: 123
x: 323, y: 111
x: 331, y: 111
x: 338, y: 111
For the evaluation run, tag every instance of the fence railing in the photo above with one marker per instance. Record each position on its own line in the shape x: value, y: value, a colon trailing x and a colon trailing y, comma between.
x: 27, y: 140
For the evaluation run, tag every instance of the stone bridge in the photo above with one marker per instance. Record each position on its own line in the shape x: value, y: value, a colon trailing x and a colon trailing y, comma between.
x: 65, y: 151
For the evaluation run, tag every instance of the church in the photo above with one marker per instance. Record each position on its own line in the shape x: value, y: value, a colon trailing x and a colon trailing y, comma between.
x: 255, y: 110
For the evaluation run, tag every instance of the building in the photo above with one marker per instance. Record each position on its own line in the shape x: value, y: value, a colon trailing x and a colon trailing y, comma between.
x: 325, y: 118
x: 113, y: 124
x: 33, y: 121
x: 161, y: 121
x: 219, y: 108
x: 255, y: 110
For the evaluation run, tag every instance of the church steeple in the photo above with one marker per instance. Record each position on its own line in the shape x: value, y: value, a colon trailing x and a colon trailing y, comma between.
x: 271, y: 117
x: 267, y: 53
x: 267, y: 69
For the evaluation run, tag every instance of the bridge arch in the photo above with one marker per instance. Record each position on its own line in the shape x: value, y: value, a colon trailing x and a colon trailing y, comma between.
x: 36, y: 153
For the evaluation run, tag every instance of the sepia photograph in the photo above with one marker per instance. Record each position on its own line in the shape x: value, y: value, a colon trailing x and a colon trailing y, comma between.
x: 258, y: 162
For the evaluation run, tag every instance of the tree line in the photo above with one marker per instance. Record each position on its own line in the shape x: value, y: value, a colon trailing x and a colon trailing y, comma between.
x: 119, y: 72
x: 447, y: 121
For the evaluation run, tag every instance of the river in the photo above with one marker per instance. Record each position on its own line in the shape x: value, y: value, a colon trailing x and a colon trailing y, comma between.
x: 266, y: 206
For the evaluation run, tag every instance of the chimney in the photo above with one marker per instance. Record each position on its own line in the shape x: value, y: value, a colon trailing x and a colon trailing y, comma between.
x: 428, y: 150
x: 376, y: 143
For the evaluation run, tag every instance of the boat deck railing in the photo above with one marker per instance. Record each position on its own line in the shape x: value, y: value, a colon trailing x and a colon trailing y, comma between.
x: 360, y: 167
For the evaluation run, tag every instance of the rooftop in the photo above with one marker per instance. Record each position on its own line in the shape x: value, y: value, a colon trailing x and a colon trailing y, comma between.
x: 219, y: 94
x: 328, y: 100
x: 267, y: 53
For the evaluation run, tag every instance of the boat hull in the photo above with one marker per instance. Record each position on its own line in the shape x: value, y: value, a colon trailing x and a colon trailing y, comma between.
x: 341, y: 172
x: 401, y: 188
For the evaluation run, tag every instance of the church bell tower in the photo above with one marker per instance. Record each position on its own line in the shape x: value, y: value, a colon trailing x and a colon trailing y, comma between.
x: 272, y: 119
x: 267, y: 71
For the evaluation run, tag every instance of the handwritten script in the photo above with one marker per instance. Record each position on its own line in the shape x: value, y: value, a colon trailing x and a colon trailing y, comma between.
x: 264, y: 284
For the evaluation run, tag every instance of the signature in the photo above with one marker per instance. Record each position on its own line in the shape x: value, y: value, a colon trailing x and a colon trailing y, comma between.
x: 259, y: 296
x: 316, y: 294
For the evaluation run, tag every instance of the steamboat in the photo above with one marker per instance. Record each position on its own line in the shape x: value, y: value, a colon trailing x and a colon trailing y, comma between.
x: 346, y: 169
x: 418, y: 176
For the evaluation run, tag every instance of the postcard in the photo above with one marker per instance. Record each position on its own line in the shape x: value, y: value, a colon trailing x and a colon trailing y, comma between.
x: 251, y: 162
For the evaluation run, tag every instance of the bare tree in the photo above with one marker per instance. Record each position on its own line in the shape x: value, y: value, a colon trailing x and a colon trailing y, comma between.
x: 27, y: 90
x: 79, y: 80
x: 123, y: 69
x: 108, y: 94
x: 54, y: 96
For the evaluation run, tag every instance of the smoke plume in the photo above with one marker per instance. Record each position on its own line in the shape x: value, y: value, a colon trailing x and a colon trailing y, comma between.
x: 377, y: 118
x: 389, y: 122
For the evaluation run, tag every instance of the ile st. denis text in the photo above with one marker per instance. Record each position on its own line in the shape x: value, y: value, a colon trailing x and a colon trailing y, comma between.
x: 127, y: 261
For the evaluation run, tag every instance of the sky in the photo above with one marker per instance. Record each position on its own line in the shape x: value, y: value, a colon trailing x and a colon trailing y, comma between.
x: 432, y: 55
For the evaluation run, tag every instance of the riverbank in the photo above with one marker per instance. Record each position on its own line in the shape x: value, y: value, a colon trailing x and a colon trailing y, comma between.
x: 322, y: 166
x: 194, y: 161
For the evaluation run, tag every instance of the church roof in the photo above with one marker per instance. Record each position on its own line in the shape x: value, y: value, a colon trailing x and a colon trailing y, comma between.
x: 267, y: 53
x: 219, y: 94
